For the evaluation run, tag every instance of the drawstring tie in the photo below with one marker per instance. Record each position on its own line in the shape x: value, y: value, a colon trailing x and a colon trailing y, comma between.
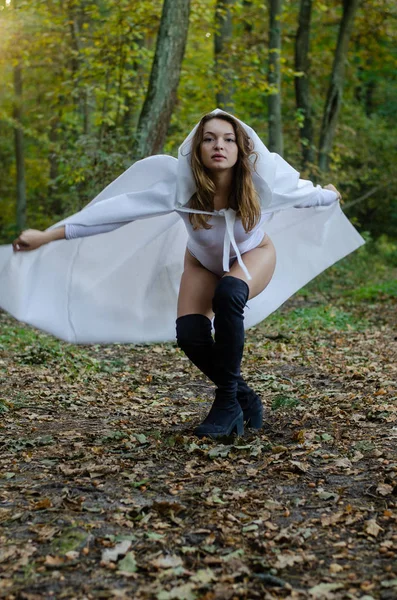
x: 230, y: 217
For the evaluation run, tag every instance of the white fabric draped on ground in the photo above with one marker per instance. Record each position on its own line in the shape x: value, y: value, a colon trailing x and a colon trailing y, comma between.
x: 122, y: 286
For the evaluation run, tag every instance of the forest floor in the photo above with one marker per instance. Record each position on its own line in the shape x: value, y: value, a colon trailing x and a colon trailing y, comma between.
x: 105, y: 492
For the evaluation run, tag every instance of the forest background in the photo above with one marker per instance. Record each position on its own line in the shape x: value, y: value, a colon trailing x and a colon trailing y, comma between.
x: 104, y: 492
x: 89, y: 87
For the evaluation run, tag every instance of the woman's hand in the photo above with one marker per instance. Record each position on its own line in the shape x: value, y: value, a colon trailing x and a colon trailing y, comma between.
x: 333, y: 189
x: 31, y: 239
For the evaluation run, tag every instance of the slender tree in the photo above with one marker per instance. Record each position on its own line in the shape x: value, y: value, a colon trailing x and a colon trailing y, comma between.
x: 19, y: 149
x: 302, y: 94
x: 164, y: 78
x: 222, y: 38
x: 274, y: 77
x: 19, y: 143
x: 334, y: 95
x: 131, y: 114
x: 76, y: 21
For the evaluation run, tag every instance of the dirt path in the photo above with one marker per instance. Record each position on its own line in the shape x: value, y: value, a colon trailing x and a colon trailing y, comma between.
x: 106, y: 494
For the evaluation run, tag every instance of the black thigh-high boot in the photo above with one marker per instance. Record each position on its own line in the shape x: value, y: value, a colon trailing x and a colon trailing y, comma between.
x: 226, y: 416
x: 194, y: 337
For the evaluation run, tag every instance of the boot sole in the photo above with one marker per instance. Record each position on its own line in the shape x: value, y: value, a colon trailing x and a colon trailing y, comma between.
x: 236, y: 426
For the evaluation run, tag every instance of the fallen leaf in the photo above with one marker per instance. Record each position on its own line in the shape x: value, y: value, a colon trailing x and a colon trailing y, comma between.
x: 290, y: 559
x: 384, y: 489
x: 54, y: 561
x: 127, y: 566
x: 249, y: 528
x: 167, y: 562
x: 331, y: 519
x: 271, y: 526
x: 372, y: 527
x: 204, y: 576
x: 112, y: 554
x: 6, y: 583
x: 182, y: 592
x: 388, y: 583
x: 279, y: 449
x: 165, y: 507
x: 152, y: 535
x: 42, y: 504
x: 343, y: 463
x: 335, y: 568
x: 357, y: 456
x: 44, y: 532
x: 323, y: 495
x: 301, y: 467
x: 322, y: 590
x: 235, y: 554
x: 219, y: 451
x: 8, y: 552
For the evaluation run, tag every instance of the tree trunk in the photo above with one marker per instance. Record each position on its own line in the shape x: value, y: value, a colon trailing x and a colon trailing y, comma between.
x: 76, y: 21
x: 364, y: 92
x: 274, y: 77
x: 164, y: 78
x: 54, y: 198
x: 131, y: 115
x: 222, y: 38
x: 248, y: 27
x: 334, y: 96
x: 19, y: 150
x: 302, y: 64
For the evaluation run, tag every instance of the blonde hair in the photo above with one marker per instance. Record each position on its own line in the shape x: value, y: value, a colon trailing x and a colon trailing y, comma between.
x: 243, y: 198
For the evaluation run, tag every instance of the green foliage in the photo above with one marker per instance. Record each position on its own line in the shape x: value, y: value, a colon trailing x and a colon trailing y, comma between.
x: 387, y: 248
x: 33, y: 348
x: 25, y: 443
x: 366, y: 276
x: 3, y: 406
x: 377, y: 292
x: 85, y: 70
x: 310, y: 319
x: 369, y: 265
x: 284, y: 402
x: 71, y: 539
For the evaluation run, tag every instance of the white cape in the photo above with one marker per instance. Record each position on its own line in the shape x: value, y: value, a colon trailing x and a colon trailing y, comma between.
x: 122, y: 286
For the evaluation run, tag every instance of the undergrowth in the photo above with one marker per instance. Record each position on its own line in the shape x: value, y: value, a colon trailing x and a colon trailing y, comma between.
x: 336, y: 299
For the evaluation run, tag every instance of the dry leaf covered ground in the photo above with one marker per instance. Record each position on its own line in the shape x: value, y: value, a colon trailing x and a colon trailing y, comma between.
x: 105, y: 493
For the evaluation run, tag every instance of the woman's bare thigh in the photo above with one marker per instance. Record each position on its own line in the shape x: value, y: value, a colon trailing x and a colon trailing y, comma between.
x: 197, y: 288
x: 260, y: 262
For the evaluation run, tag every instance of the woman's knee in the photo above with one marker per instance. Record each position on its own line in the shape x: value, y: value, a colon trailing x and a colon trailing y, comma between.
x: 193, y: 330
x: 231, y: 292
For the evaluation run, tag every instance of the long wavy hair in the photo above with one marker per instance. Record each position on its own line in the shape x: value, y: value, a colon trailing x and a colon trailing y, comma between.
x: 243, y: 197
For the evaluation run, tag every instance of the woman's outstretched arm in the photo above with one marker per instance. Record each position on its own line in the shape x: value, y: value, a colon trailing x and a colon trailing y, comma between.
x: 31, y: 239
x: 326, y: 195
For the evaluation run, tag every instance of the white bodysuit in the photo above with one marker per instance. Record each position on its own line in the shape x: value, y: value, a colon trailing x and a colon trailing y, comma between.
x: 216, y: 248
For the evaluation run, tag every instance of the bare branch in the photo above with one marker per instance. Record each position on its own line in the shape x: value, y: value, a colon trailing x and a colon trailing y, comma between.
x: 364, y: 196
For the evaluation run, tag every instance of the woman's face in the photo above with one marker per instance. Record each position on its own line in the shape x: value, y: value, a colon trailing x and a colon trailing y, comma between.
x: 219, y: 150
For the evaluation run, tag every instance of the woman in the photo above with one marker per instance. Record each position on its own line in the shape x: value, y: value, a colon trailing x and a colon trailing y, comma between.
x: 228, y: 208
